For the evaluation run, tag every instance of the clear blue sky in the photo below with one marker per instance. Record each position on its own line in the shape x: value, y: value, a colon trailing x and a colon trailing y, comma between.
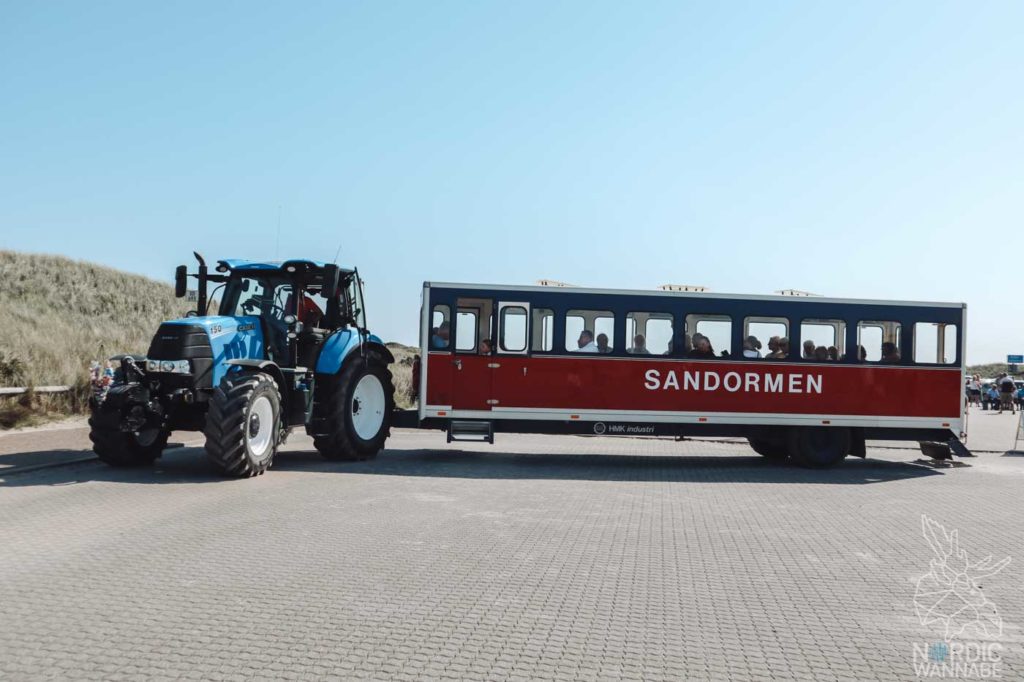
x: 850, y: 149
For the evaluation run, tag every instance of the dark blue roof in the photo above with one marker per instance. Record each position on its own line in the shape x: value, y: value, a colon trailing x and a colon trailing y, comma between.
x: 238, y: 264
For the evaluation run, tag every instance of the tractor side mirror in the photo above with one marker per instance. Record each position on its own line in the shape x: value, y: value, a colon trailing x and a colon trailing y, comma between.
x: 180, y: 281
x: 332, y: 276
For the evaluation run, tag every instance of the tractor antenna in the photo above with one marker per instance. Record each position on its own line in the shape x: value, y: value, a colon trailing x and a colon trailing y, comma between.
x: 277, y: 248
x: 336, y: 254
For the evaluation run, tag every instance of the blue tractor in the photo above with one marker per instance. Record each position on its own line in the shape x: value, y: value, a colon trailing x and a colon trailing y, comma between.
x: 288, y: 347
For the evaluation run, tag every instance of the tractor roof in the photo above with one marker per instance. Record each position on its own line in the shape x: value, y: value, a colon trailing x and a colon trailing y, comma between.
x: 238, y: 264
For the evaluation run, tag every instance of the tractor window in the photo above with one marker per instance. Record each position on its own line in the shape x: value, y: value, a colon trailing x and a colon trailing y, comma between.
x: 354, y: 294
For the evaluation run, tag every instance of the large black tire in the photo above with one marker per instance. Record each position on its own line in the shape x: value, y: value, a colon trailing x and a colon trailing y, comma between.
x: 352, y: 411
x: 124, y: 448
x: 239, y: 440
x: 818, y: 447
x: 770, y: 448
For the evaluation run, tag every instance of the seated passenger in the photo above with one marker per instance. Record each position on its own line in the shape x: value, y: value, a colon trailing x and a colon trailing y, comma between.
x: 808, y: 350
x: 821, y: 354
x: 862, y: 354
x: 639, y: 345
x: 781, y: 344
x: 751, y: 347
x: 586, y: 342
x: 833, y: 354
x: 890, y: 353
x: 602, y: 344
x: 702, y: 348
x: 486, y: 348
x: 439, y: 341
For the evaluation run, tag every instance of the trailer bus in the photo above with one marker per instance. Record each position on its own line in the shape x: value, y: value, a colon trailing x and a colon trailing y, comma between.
x: 804, y: 378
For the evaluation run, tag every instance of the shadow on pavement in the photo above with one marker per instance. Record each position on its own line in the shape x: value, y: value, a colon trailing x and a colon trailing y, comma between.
x: 190, y: 465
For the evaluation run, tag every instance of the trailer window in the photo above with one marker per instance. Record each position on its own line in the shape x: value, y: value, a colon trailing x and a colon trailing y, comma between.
x: 761, y: 337
x: 935, y: 343
x: 543, y: 329
x: 589, y: 331
x: 440, y: 328
x: 648, y: 333
x: 717, y: 329
x: 465, y: 330
x: 878, y: 342
x: 513, y: 329
x: 827, y: 334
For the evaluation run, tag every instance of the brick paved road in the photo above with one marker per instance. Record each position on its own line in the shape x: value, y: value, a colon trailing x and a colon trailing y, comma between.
x: 536, y: 558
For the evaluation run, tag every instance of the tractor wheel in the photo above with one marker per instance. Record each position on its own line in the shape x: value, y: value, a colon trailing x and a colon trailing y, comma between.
x: 125, y: 448
x: 243, y: 424
x: 818, y: 447
x: 770, y: 448
x: 352, y: 411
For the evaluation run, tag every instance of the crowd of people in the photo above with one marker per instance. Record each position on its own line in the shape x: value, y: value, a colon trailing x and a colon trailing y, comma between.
x: 1002, y: 394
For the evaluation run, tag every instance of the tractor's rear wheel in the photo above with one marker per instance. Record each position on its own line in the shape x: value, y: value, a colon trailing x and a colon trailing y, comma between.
x: 126, y: 448
x: 352, y: 411
x: 243, y: 424
x: 818, y: 447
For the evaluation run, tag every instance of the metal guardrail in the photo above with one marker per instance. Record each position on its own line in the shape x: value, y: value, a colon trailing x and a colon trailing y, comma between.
x: 21, y: 390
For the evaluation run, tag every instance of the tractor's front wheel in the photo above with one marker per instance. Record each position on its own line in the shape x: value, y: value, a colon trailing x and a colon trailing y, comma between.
x: 243, y: 424
x: 126, y: 448
x: 352, y: 411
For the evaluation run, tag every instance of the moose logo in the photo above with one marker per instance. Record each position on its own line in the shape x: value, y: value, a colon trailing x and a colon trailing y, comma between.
x: 949, y: 595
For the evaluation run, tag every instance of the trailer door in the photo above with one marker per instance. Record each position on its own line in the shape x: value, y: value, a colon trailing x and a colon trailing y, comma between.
x: 511, y: 354
x: 471, y: 371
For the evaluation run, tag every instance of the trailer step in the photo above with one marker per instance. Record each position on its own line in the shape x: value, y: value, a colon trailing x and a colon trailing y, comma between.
x: 471, y: 430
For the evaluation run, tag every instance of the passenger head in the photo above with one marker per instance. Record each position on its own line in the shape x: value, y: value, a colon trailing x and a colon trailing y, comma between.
x: 751, y: 343
x: 444, y: 330
x: 889, y: 351
x: 821, y: 354
x: 808, y: 348
x: 602, y: 343
x: 639, y: 342
x: 773, y: 344
x: 586, y: 337
x: 862, y: 354
x: 784, y: 345
x: 702, y: 343
x: 833, y: 353
x: 486, y: 347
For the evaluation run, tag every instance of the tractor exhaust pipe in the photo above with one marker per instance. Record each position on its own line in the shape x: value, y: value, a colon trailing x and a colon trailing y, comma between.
x: 201, y: 298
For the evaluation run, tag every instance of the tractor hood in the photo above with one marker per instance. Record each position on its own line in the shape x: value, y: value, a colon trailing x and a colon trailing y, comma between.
x: 218, y: 337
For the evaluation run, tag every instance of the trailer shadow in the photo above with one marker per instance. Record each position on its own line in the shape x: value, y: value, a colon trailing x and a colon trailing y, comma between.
x: 595, y: 467
x: 190, y: 466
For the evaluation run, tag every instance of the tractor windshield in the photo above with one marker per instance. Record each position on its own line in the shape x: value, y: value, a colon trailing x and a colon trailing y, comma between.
x: 267, y: 296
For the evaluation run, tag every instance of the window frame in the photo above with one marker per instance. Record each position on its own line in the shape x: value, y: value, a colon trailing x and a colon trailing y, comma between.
x: 446, y: 317
x: 660, y: 315
x: 499, y: 343
x: 875, y: 322
x: 938, y: 362
x: 598, y: 314
x: 708, y: 317
x: 765, y: 319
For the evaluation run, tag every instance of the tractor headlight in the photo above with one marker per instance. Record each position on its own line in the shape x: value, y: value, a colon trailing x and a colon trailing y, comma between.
x: 169, y: 366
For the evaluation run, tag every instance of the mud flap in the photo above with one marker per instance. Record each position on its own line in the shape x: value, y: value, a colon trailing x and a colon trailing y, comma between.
x: 959, y: 449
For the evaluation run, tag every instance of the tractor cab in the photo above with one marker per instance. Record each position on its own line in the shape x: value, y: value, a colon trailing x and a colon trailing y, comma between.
x: 298, y: 304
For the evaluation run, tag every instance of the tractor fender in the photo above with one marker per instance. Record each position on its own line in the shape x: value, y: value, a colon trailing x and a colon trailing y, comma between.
x: 266, y: 366
x: 341, y: 345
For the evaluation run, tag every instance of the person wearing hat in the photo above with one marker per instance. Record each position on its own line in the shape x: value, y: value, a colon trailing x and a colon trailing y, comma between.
x: 751, y: 347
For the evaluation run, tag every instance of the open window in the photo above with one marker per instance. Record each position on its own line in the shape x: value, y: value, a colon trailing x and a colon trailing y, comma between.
x: 440, y: 328
x: 589, y: 331
x: 472, y: 324
x: 765, y: 337
x: 648, y: 333
x: 935, y: 343
x: 708, y: 336
x: 543, y: 330
x: 829, y: 335
x: 878, y: 341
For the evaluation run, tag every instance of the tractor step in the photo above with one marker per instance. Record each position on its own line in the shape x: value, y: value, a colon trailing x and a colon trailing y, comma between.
x: 471, y: 430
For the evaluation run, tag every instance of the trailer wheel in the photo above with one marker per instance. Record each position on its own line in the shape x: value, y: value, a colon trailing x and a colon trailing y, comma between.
x: 818, y: 447
x: 771, y: 448
x: 125, y: 448
x: 352, y: 411
x: 243, y: 424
